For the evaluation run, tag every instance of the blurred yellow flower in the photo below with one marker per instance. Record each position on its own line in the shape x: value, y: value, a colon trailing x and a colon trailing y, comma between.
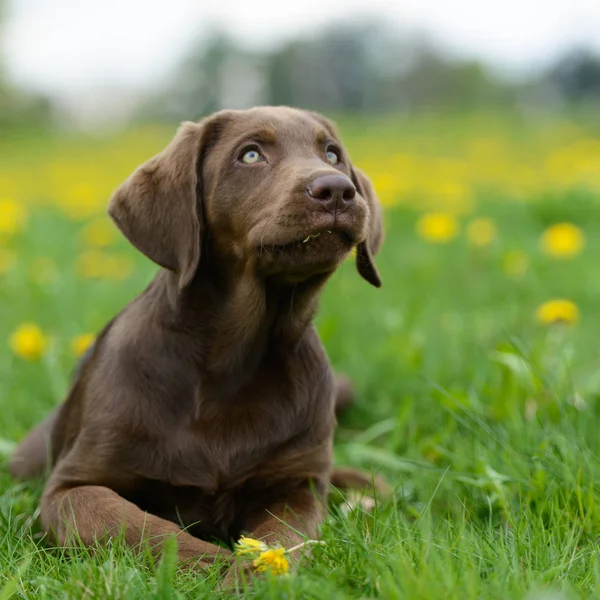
x: 94, y: 264
x: 557, y: 311
x: 12, y: 216
x: 7, y: 261
x: 98, y: 233
x: 437, y: 228
x: 246, y: 545
x: 515, y: 263
x: 272, y: 560
x: 481, y: 232
x: 268, y: 558
x: 28, y: 341
x: 563, y: 240
x: 81, y: 343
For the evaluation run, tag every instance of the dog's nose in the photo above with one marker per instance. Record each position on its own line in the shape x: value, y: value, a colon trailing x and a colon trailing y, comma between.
x: 334, y: 192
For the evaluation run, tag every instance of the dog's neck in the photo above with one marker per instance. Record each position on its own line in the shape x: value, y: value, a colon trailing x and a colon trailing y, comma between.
x: 238, y: 318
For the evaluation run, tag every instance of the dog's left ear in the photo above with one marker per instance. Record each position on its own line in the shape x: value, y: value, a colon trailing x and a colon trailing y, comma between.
x: 367, y: 249
x: 158, y: 208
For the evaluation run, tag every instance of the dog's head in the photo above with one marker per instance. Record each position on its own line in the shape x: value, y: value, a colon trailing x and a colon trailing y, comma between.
x: 272, y: 187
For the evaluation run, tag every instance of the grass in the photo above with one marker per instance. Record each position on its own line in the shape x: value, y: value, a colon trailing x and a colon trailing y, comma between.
x: 484, y: 421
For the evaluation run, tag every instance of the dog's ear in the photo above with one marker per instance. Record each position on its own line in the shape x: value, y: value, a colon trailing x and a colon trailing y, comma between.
x: 368, y: 248
x: 159, y: 207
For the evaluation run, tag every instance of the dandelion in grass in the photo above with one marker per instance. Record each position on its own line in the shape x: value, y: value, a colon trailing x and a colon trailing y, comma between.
x: 268, y: 558
x: 273, y: 560
x: 28, y: 341
x: 248, y: 545
x: 562, y: 240
x: 515, y: 264
x: 12, y: 216
x: 481, y: 232
x: 558, y: 311
x: 81, y: 343
x: 437, y: 228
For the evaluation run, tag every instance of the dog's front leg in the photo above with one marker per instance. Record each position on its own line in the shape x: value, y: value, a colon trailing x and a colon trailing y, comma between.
x: 288, y: 523
x: 84, y: 515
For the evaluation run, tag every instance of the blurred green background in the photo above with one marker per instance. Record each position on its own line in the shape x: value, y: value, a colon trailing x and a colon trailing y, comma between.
x: 476, y: 364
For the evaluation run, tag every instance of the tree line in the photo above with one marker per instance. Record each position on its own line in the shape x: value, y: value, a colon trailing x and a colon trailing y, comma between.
x: 342, y: 68
x: 362, y: 68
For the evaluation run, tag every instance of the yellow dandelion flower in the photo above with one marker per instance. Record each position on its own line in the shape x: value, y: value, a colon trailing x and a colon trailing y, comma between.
x: 437, y: 228
x: 563, y: 240
x: 98, y: 233
x: 7, y: 261
x: 557, y: 311
x: 81, y: 343
x: 273, y: 560
x: 515, y: 263
x: 481, y: 232
x: 12, y: 216
x: 28, y: 341
x: 246, y: 545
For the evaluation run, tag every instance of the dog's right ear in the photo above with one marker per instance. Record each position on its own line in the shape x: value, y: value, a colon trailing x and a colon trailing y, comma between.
x: 159, y: 207
x: 369, y: 247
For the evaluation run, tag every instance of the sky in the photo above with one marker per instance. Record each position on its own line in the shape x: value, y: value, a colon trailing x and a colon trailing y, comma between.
x: 70, y: 47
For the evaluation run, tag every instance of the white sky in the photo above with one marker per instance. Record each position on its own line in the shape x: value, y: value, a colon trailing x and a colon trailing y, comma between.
x: 65, y: 47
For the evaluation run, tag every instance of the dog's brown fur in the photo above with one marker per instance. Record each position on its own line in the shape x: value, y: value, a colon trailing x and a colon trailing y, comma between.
x: 208, y: 402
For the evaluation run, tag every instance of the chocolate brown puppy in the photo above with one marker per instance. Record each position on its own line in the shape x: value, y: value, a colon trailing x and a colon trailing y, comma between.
x: 206, y: 408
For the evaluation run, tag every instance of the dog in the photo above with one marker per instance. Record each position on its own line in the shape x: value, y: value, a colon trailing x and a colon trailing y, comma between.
x: 206, y: 408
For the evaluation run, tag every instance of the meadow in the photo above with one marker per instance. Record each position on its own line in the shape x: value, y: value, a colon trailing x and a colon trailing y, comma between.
x: 477, y: 363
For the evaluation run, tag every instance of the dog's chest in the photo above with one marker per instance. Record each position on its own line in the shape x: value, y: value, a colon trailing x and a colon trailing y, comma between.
x: 214, y: 480
x: 225, y: 443
x: 223, y: 451
x: 234, y: 455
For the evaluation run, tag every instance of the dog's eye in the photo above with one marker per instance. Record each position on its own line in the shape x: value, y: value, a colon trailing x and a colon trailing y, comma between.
x: 332, y: 157
x: 249, y: 157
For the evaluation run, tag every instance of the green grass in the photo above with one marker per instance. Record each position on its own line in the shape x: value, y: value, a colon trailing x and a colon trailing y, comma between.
x: 484, y: 422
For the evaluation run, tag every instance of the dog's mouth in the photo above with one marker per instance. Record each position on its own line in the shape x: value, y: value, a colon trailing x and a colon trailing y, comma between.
x: 318, y: 238
x: 317, y: 251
